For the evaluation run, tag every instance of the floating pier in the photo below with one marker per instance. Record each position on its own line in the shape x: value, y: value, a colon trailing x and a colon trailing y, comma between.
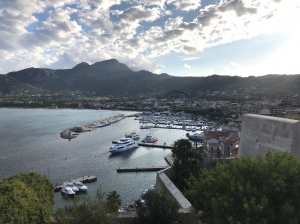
x: 141, y: 169
x: 84, y: 179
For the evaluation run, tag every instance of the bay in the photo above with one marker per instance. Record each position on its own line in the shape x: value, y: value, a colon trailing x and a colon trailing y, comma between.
x: 30, y: 141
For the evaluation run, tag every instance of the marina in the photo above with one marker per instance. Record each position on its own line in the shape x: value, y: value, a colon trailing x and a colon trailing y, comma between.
x: 36, y: 147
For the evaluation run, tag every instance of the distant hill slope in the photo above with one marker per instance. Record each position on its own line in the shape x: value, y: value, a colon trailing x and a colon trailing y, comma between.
x: 113, y: 78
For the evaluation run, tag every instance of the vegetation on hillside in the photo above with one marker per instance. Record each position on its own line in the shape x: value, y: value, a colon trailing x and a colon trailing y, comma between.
x: 26, y: 198
x: 159, y: 209
x: 187, y: 162
x: 260, y: 190
x: 89, y: 211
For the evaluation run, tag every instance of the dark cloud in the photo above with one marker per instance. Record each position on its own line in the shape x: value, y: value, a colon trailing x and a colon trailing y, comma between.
x: 190, y: 26
x: 169, y: 35
x: 238, y: 6
x: 213, y: 12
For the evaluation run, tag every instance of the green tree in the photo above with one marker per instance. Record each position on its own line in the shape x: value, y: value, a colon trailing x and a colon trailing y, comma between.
x: 114, y: 201
x: 87, y: 210
x: 26, y: 198
x: 159, y: 209
x: 260, y: 190
x: 187, y: 162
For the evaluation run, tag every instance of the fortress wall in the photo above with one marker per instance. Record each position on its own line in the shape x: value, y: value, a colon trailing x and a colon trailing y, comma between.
x: 260, y: 133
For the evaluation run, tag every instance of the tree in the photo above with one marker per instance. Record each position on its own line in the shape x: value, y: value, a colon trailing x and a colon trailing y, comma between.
x: 114, y: 201
x: 26, y: 198
x: 159, y: 209
x: 187, y: 162
x: 87, y: 210
x: 260, y: 190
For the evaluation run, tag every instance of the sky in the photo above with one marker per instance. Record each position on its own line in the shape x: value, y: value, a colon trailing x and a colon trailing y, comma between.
x: 177, y: 37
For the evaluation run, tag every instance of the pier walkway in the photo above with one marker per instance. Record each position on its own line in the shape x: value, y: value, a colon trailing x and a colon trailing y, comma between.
x: 84, y: 179
x: 141, y: 169
x: 156, y: 146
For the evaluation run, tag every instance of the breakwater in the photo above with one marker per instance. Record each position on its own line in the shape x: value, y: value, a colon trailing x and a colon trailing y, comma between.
x: 73, y: 132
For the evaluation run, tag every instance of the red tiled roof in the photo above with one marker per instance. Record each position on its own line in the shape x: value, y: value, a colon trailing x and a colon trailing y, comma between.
x: 215, y: 134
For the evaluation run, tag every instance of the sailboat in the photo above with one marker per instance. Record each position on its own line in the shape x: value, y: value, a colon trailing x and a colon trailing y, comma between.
x: 149, y: 138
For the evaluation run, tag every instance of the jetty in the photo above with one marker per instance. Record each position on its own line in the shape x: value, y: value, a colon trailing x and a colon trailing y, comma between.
x: 141, y: 169
x: 84, y: 179
x: 69, y: 133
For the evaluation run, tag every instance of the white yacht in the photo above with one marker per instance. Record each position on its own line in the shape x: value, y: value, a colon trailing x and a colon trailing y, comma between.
x: 123, y: 145
x: 72, y: 186
x: 67, y: 191
x: 81, y: 186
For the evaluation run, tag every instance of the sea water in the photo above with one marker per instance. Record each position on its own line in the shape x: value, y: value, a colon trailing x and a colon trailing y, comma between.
x: 30, y: 141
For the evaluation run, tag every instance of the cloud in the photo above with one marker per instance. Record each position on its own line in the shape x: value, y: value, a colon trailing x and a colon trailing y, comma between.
x: 186, y: 66
x: 235, y: 65
x: 35, y: 32
x: 191, y: 58
x: 185, y: 5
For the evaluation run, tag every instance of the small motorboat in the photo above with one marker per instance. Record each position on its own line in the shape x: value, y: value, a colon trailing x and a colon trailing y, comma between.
x: 73, y: 187
x: 67, y: 192
x: 149, y: 139
x: 81, y: 186
x: 133, y: 135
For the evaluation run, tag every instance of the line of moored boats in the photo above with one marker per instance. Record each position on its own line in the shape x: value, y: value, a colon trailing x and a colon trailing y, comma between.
x: 107, y: 122
x: 70, y: 189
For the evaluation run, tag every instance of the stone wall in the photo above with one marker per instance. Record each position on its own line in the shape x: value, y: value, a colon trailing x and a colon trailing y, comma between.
x: 261, y: 133
x: 166, y: 186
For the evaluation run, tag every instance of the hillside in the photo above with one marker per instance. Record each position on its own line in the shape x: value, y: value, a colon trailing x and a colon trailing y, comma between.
x: 113, y: 78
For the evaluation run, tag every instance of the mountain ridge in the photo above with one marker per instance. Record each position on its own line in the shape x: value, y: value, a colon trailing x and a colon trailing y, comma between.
x: 110, y: 77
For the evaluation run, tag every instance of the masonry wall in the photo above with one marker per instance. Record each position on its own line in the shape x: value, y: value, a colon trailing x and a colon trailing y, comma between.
x: 261, y: 133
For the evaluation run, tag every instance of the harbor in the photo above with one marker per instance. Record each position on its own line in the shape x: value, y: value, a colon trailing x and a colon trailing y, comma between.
x: 84, y: 179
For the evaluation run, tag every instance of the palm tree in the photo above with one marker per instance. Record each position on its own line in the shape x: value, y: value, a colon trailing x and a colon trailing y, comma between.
x: 113, y: 200
x: 187, y: 162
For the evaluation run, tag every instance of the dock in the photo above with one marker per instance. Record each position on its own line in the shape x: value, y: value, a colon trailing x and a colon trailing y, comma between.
x: 84, y: 179
x: 141, y: 169
x: 156, y: 146
x: 149, y: 145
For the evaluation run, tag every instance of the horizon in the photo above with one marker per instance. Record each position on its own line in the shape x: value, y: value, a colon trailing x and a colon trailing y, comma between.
x: 181, y: 38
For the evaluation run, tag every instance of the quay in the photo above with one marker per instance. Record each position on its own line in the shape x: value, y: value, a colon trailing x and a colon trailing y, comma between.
x: 141, y: 169
x: 84, y: 179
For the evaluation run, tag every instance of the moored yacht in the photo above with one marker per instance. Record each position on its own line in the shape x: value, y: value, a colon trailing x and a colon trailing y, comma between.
x: 67, y: 191
x: 149, y: 139
x: 123, y: 145
x: 133, y: 135
x: 72, y: 186
x: 81, y: 186
x: 196, y: 136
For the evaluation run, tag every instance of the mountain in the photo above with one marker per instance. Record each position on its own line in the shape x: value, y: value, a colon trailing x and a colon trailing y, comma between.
x: 111, y: 77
